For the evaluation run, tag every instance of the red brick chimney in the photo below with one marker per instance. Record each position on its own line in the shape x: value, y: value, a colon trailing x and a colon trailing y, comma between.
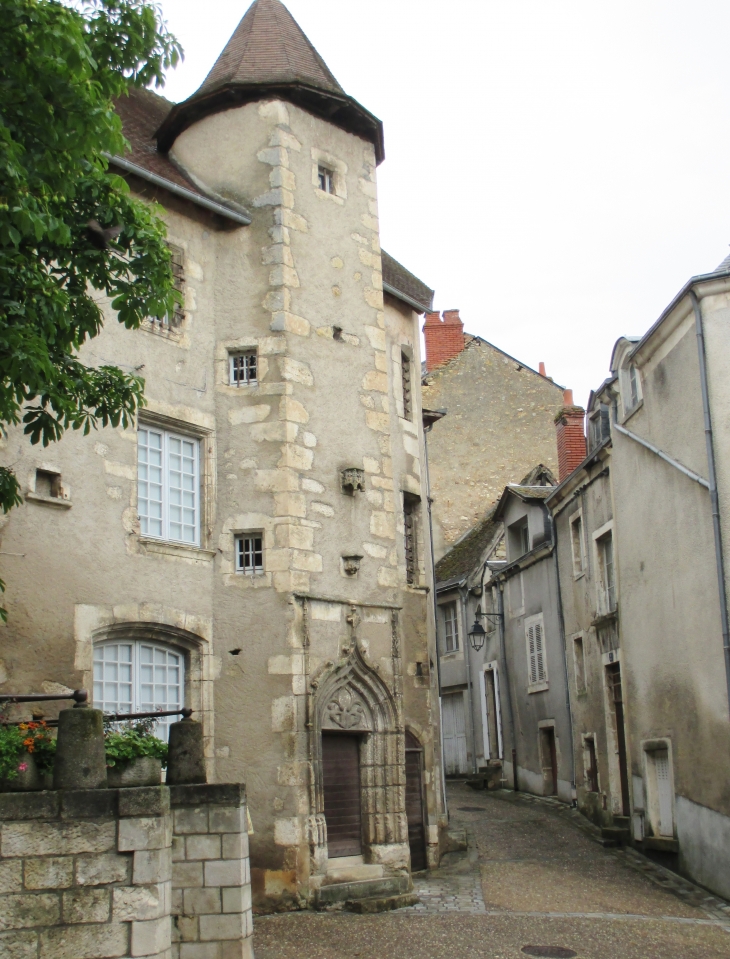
x: 569, y: 426
x: 444, y: 338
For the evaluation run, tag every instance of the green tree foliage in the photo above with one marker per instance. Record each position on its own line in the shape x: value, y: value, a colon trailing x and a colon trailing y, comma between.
x: 61, y: 68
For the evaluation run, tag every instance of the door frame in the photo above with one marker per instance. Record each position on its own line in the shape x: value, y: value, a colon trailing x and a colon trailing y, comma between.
x: 493, y: 668
x: 421, y: 766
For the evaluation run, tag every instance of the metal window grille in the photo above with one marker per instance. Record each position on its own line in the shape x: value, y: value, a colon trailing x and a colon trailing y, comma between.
x: 250, y: 554
x: 244, y: 368
x: 168, y: 486
x: 177, y: 264
x: 326, y: 179
x: 451, y: 630
x: 410, y: 507
x: 131, y: 677
x: 406, y: 377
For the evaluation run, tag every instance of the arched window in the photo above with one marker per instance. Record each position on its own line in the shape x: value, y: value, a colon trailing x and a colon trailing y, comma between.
x: 139, y: 677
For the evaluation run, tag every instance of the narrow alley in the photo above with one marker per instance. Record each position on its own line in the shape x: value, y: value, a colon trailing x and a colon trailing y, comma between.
x: 533, y: 882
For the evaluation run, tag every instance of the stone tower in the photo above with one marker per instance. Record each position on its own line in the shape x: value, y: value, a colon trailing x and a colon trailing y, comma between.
x: 293, y: 593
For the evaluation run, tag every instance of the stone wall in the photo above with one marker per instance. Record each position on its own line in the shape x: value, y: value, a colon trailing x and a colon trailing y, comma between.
x: 88, y: 874
x: 499, y: 425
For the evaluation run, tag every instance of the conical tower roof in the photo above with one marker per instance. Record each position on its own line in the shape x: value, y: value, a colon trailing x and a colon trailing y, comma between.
x: 269, y: 55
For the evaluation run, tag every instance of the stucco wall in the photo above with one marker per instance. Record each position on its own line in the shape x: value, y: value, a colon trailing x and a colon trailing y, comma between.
x: 499, y: 425
x: 303, y: 286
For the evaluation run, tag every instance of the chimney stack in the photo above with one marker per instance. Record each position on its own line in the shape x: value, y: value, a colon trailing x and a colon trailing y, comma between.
x: 541, y: 369
x: 444, y: 338
x: 570, y: 430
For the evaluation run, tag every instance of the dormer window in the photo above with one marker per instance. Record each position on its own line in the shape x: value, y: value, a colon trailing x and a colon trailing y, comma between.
x: 326, y: 179
x: 634, y: 385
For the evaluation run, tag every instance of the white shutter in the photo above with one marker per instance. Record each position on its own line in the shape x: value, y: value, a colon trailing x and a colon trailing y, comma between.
x: 533, y: 657
x: 664, y: 792
x: 539, y: 654
x: 454, y: 733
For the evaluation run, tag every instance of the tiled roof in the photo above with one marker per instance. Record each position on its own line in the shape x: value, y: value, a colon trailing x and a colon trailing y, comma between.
x: 530, y: 492
x: 268, y: 46
x: 269, y: 56
x: 466, y: 554
x: 724, y: 266
x: 397, y: 276
x: 141, y: 112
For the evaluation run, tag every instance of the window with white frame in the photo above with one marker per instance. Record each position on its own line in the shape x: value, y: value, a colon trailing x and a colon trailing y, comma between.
x: 139, y: 677
x: 243, y: 368
x: 451, y: 628
x: 326, y: 179
x: 577, y: 544
x: 168, y: 490
x: 536, y: 659
x: 607, y: 581
x: 250, y: 553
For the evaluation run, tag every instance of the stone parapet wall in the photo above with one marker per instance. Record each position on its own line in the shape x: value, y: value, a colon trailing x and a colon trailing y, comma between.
x: 211, y: 879
x: 88, y: 874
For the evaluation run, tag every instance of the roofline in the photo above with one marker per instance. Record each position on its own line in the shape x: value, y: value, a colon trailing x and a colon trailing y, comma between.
x: 408, y: 300
x: 560, y: 488
x: 509, y: 356
x: 303, y: 95
x: 693, y: 281
x: 242, y: 219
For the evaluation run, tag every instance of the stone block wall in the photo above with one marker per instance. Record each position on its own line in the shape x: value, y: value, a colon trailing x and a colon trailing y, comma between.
x: 87, y: 874
x: 211, y: 880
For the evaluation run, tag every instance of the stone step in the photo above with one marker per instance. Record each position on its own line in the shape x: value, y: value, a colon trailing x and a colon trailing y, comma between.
x: 616, y: 834
x: 352, y: 871
x: 384, y: 888
x: 383, y: 904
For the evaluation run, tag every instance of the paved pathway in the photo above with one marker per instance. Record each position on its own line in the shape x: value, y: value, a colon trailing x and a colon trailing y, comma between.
x: 533, y: 876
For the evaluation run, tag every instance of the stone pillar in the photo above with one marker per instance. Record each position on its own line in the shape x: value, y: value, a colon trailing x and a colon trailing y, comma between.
x: 80, y: 762
x: 211, y: 880
x: 186, y: 753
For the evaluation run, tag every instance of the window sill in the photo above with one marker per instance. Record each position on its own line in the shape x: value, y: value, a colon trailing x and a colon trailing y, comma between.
x: 604, y: 619
x: 165, y: 548
x: 56, y: 501
x: 634, y: 409
x: 538, y: 688
x: 577, y: 576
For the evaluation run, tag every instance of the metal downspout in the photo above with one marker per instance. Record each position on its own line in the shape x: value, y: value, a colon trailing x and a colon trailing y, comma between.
x: 426, y: 431
x: 464, y: 592
x: 561, y: 620
x: 714, y: 502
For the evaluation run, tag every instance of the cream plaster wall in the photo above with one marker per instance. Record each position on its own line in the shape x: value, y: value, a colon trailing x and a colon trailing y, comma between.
x: 307, y: 268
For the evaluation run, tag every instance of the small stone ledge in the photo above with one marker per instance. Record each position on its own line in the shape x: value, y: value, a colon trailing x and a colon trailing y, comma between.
x: 88, y: 803
x: 145, y: 801
x: 74, y: 804
x: 35, y: 805
x: 209, y: 794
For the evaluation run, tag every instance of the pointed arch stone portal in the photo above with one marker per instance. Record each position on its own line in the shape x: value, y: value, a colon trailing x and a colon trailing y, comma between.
x: 352, y: 698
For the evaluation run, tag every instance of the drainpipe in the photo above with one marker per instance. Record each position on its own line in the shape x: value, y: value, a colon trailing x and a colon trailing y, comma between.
x: 426, y: 431
x: 464, y: 593
x: 561, y: 620
x: 714, y: 502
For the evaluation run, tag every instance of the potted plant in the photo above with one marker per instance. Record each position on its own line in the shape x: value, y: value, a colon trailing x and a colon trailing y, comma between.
x: 134, y: 757
x: 27, y: 751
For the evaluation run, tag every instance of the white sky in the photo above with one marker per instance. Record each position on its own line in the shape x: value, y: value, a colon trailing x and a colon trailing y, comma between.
x: 556, y: 169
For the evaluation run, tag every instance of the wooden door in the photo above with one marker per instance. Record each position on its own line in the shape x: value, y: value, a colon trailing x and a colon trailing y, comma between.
x: 454, y: 734
x: 613, y: 675
x: 341, y: 781
x: 414, y: 803
x: 549, y: 761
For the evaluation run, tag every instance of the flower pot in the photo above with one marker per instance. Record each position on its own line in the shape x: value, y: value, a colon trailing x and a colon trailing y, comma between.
x: 142, y: 771
x: 28, y: 778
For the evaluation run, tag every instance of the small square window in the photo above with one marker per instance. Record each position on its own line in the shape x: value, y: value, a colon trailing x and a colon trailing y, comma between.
x: 326, y: 179
x: 243, y: 368
x: 250, y: 553
x: 48, y: 484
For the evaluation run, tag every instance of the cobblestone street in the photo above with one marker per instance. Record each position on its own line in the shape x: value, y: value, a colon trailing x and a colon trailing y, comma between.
x: 533, y: 876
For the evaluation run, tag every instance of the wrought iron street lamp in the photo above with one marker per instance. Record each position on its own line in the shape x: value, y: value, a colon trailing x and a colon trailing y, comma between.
x: 477, y: 634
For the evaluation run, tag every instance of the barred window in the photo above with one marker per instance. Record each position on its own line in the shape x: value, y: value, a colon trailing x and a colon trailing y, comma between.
x: 406, y: 378
x: 250, y: 553
x: 243, y: 368
x: 410, y: 517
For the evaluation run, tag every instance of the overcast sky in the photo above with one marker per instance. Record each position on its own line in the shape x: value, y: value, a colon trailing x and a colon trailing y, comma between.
x: 555, y: 169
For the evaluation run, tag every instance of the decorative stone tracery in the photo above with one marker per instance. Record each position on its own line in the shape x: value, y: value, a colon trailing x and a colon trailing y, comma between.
x: 351, y: 697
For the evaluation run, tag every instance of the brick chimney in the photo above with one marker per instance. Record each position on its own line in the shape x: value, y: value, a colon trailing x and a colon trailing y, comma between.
x: 570, y: 430
x: 444, y: 338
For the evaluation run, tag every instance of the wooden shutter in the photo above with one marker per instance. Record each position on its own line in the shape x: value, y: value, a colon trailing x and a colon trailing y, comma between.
x: 414, y: 809
x: 532, y: 653
x: 341, y: 781
x: 454, y: 732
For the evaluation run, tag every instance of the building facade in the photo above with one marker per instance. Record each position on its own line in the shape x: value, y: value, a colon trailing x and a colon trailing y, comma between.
x: 257, y: 547
x: 499, y: 424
